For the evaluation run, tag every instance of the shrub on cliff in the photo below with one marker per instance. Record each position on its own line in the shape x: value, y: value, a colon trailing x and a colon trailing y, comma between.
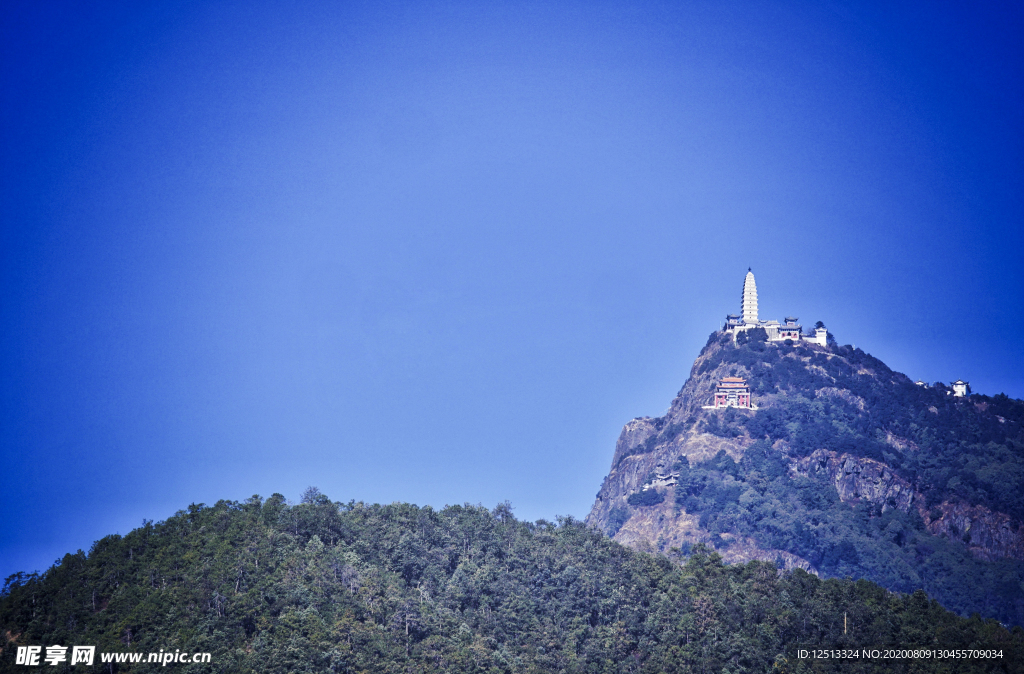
x: 647, y: 497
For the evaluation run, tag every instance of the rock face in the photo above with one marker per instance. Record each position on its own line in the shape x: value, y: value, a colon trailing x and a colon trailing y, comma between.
x: 649, y: 447
x: 988, y: 535
x: 858, y: 478
x: 634, y: 434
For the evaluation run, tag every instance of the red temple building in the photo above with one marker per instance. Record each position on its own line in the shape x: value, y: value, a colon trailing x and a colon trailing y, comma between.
x: 732, y: 392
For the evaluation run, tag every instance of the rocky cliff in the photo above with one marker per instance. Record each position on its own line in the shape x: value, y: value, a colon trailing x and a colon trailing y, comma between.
x: 989, y: 535
x: 834, y: 416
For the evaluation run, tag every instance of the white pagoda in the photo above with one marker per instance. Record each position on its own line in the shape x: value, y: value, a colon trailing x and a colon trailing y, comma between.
x: 747, y: 319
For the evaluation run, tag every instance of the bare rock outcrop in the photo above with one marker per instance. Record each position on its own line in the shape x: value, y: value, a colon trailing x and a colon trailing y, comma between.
x: 858, y: 478
x: 988, y: 535
x: 634, y: 434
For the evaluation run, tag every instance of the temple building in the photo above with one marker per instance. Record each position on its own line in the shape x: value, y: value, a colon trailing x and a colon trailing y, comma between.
x: 732, y: 392
x: 790, y: 329
x: 747, y: 319
x: 959, y: 388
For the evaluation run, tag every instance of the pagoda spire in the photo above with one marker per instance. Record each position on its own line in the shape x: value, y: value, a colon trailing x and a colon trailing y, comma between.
x: 748, y: 304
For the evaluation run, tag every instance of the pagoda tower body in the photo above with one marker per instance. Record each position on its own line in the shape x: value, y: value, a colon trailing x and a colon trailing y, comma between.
x: 748, y: 304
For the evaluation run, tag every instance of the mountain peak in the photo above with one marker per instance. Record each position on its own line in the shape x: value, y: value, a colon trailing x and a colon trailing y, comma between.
x: 833, y: 463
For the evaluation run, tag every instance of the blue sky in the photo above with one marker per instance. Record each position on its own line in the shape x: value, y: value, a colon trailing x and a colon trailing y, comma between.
x: 441, y: 252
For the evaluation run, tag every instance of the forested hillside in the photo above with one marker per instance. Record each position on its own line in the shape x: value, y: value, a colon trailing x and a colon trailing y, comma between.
x: 846, y: 468
x: 328, y: 587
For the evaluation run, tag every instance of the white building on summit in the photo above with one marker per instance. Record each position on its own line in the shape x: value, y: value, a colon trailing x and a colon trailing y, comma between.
x: 748, y: 301
x: 777, y: 332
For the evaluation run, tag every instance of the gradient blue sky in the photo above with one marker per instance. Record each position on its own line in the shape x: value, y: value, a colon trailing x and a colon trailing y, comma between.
x: 441, y: 252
